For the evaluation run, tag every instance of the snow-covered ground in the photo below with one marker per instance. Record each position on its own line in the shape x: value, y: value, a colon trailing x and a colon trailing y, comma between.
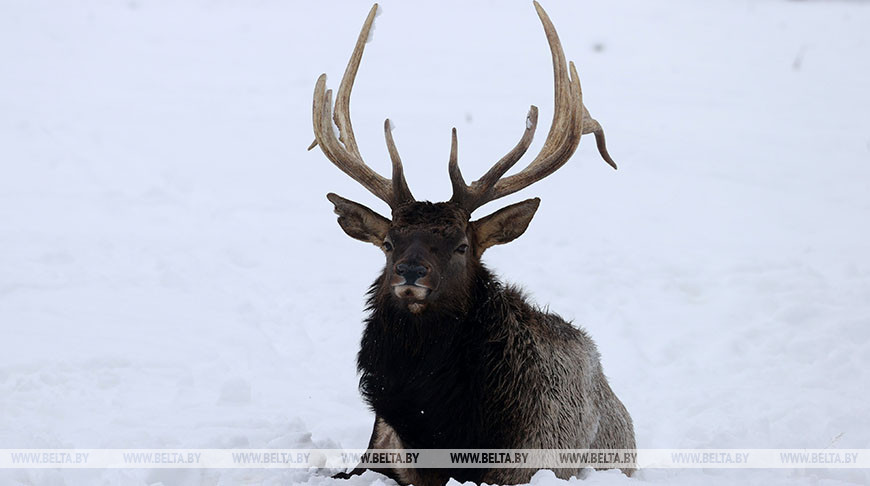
x: 171, y: 274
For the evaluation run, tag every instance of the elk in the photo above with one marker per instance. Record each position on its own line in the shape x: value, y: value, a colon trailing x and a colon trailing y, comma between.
x: 450, y: 357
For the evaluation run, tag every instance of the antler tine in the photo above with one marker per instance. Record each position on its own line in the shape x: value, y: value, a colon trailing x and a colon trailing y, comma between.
x: 570, y: 121
x: 477, y: 194
x: 401, y: 191
x: 456, y: 179
x: 590, y: 125
x: 349, y: 163
x: 512, y: 157
x: 342, y: 98
x: 554, y: 156
x: 343, y: 150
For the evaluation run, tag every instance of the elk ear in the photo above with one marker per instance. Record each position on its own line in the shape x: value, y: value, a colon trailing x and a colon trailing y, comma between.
x: 504, y: 225
x: 359, y: 221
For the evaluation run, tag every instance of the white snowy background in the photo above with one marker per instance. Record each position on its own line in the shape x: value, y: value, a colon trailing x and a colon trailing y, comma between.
x: 172, y: 275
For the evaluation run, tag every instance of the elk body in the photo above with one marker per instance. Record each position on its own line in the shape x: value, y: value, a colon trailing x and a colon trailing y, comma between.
x: 451, y: 357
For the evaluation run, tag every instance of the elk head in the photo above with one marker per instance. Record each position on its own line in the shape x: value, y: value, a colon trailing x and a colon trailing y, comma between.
x: 432, y: 249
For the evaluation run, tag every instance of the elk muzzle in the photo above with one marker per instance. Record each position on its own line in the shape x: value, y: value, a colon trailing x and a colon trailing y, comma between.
x: 410, y: 282
x: 411, y: 272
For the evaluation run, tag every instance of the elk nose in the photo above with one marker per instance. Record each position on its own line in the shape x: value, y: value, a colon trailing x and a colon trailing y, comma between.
x: 411, y: 272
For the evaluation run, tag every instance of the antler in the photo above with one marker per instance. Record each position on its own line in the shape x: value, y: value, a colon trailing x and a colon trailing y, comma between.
x: 571, y: 119
x: 343, y: 150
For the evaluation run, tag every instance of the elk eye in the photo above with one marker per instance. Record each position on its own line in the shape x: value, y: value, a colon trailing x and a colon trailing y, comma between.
x: 462, y: 249
x: 387, y: 246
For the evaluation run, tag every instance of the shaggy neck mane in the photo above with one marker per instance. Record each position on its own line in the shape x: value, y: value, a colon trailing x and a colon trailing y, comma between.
x: 427, y: 375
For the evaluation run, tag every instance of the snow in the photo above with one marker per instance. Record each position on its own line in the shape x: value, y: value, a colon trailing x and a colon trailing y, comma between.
x: 371, y: 37
x: 171, y: 274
